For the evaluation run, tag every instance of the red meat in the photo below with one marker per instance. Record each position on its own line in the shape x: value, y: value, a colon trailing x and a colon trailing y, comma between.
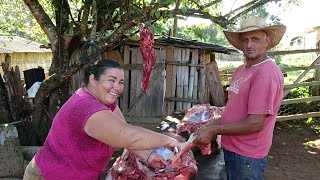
x: 128, y: 167
x: 178, y: 159
x: 148, y: 54
x: 198, y: 116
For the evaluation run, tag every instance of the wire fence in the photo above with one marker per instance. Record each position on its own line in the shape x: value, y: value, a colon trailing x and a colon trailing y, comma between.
x: 306, y: 101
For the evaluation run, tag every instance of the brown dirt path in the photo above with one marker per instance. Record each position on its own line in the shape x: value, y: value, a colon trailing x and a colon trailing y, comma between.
x: 295, y: 153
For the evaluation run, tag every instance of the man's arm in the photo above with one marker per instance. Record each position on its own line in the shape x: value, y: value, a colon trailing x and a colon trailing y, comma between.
x: 252, y: 124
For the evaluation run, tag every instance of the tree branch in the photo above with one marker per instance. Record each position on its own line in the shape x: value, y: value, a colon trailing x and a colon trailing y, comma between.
x: 221, y: 20
x: 206, y: 5
x: 93, y: 35
x: 85, y: 15
x: 42, y: 18
x: 250, y: 6
x: 50, y: 84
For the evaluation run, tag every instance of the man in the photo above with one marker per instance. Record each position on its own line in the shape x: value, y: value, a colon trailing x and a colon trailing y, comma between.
x: 254, y: 96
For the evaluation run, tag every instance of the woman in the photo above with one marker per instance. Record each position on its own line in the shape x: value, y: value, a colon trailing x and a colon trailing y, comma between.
x: 88, y: 127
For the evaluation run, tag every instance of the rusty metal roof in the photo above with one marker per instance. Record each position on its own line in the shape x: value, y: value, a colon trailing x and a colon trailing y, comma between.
x: 12, y: 44
x: 195, y: 44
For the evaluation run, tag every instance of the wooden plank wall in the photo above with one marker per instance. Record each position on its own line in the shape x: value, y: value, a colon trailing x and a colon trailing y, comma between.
x: 29, y: 60
x: 185, y: 80
x: 177, y: 82
x: 139, y: 108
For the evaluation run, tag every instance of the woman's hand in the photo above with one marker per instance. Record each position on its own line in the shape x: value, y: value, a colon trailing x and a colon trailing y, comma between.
x: 156, y: 161
x: 173, y: 145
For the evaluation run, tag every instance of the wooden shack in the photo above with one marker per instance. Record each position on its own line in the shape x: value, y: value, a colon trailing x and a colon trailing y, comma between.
x: 24, y: 53
x: 185, y: 74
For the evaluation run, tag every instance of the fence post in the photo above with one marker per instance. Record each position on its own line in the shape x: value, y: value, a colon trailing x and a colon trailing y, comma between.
x: 168, y: 105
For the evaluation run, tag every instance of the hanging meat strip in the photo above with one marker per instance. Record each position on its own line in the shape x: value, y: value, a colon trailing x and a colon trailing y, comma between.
x: 148, y: 54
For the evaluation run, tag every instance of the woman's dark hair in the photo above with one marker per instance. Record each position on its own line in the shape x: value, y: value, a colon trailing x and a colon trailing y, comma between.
x: 98, y: 68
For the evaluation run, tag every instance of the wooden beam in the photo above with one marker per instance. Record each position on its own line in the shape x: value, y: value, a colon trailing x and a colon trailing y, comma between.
x: 157, y: 66
x: 299, y: 68
x: 284, y: 70
x: 214, y: 83
x: 203, y: 93
x: 300, y: 100
x: 302, y: 75
x: 277, y: 53
x: 182, y: 99
x: 291, y: 86
x: 125, y: 95
x: 298, y: 116
x: 137, y: 44
x: 185, y: 64
x: 168, y: 106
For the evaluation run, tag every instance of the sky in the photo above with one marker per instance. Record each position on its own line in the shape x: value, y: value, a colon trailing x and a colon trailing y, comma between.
x: 298, y: 19
x: 301, y: 18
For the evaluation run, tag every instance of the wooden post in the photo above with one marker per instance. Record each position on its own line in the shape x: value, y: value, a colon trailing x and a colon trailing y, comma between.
x: 203, y: 97
x: 168, y: 106
x: 125, y: 96
x: 195, y: 84
x: 180, y: 77
x: 214, y: 82
x: 185, y: 70
x: 316, y: 89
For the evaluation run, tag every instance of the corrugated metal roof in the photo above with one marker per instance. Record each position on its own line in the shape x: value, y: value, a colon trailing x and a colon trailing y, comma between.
x: 12, y: 44
x: 196, y: 44
x: 183, y: 43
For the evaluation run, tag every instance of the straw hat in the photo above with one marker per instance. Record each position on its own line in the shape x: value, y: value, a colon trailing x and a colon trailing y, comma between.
x: 254, y: 23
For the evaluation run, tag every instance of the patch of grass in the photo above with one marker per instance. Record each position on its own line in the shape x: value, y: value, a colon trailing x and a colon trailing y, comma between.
x: 312, y: 123
x: 228, y: 64
x: 296, y: 60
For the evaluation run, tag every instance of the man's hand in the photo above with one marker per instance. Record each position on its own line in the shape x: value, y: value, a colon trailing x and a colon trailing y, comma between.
x: 205, y: 135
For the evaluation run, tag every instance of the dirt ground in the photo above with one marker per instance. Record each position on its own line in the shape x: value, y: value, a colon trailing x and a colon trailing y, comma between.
x: 295, y: 153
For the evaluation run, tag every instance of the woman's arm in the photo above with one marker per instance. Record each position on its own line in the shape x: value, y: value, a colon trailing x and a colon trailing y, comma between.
x: 118, y: 113
x: 109, y: 128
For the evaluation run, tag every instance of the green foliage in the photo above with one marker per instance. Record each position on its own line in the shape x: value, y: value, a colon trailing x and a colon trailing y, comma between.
x: 299, y: 92
x: 157, y: 14
x: 297, y: 60
x: 277, y: 60
x: 16, y: 19
x: 205, y: 33
x: 3, y: 119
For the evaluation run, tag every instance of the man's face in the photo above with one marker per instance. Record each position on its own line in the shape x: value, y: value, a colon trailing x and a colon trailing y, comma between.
x: 254, y: 44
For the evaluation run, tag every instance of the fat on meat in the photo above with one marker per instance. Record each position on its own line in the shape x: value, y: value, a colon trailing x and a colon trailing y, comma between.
x: 148, y: 54
x: 198, y: 116
x: 128, y: 166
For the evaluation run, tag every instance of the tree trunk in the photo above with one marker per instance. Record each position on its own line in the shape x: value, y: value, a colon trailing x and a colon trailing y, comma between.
x: 46, y: 107
x: 5, y: 116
